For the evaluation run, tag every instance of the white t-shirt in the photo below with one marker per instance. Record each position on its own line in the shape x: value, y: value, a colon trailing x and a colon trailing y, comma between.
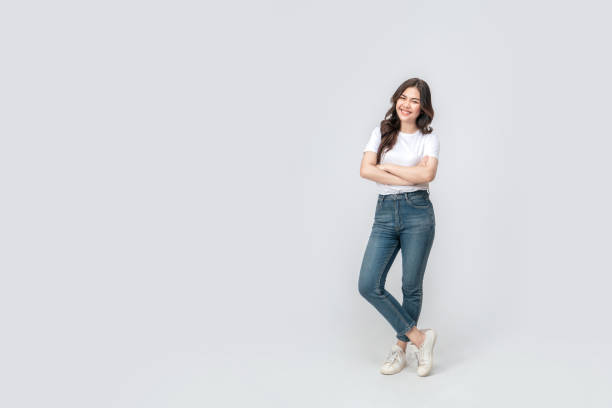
x: 409, y: 149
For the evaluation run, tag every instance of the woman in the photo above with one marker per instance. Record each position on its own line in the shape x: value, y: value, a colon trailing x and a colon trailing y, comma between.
x: 402, y: 158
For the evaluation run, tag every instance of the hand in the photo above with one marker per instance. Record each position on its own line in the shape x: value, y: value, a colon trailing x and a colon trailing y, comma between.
x: 423, y: 161
x: 380, y: 166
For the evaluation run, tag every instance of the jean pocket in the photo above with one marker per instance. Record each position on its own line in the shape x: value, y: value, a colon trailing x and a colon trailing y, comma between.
x: 418, y: 201
x: 383, y: 214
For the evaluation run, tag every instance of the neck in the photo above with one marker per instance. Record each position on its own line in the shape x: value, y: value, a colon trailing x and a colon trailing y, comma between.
x: 408, y: 127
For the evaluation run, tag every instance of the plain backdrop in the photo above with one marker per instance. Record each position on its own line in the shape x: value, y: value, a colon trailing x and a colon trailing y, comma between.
x: 183, y: 220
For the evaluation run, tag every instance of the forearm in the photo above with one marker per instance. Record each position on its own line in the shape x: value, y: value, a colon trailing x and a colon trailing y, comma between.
x: 384, y: 177
x: 412, y: 174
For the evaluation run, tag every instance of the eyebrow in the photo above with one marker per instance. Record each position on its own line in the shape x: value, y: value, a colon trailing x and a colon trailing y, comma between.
x: 410, y: 98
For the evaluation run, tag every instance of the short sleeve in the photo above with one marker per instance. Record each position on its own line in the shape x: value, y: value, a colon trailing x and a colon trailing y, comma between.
x: 432, y: 146
x: 374, y: 142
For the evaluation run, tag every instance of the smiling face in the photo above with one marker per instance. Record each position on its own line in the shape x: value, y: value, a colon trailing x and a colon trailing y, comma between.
x: 408, y: 105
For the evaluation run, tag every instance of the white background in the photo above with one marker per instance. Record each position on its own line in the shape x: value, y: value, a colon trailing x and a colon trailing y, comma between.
x: 183, y: 220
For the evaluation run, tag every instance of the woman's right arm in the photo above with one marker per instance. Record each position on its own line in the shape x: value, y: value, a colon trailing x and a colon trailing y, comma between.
x: 371, y: 172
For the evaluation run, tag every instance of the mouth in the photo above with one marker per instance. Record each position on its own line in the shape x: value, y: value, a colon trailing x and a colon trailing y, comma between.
x: 405, y: 112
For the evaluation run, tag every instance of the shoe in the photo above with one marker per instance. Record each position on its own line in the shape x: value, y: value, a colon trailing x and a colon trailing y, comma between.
x: 395, y: 361
x: 424, y: 354
x: 409, y: 356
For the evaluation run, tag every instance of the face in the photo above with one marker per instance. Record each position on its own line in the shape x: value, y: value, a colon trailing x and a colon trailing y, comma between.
x: 408, y: 105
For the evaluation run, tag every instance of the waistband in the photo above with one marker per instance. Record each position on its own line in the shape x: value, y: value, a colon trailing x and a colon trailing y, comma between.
x: 399, y: 196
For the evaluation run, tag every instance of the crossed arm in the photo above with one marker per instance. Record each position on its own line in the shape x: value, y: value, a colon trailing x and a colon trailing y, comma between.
x: 394, y: 174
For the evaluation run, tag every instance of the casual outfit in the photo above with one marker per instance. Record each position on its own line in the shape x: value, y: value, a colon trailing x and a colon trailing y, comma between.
x: 404, y: 218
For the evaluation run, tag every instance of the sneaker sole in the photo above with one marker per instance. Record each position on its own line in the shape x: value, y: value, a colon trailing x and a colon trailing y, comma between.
x: 391, y: 373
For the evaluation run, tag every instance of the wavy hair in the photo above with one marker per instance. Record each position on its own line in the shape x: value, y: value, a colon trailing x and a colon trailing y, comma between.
x: 390, y: 125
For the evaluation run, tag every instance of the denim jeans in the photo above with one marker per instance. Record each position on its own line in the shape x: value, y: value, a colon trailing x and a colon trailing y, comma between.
x: 405, y: 221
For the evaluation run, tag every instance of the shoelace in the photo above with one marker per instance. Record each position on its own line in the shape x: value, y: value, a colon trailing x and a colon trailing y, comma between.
x: 420, y: 355
x: 393, y: 354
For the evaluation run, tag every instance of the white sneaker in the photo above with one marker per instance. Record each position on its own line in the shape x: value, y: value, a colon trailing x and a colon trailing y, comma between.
x: 395, y: 361
x: 424, y: 354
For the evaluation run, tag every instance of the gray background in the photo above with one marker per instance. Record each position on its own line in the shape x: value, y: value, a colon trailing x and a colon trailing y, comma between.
x: 183, y: 219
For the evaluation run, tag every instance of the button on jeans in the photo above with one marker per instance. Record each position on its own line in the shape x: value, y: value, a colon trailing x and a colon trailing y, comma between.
x: 405, y: 221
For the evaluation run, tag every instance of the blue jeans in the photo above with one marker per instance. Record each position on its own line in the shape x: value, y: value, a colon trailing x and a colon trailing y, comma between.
x: 405, y: 221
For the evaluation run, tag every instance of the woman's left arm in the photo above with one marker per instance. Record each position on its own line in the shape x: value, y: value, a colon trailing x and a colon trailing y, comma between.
x: 424, y: 172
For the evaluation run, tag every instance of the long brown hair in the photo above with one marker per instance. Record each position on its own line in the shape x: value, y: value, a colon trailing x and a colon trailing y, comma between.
x: 390, y: 125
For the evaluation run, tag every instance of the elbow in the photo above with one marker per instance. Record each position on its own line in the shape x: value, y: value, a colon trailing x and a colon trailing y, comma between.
x: 430, y: 176
x: 363, y: 172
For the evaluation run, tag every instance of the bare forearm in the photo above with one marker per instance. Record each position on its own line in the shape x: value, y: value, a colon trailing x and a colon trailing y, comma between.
x: 384, y: 177
x: 412, y: 174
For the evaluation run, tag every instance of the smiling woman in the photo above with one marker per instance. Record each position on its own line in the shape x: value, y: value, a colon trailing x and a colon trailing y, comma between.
x: 401, y: 156
x: 405, y: 147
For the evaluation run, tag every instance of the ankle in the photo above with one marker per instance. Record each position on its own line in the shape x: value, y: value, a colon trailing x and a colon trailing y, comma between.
x: 420, y: 339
